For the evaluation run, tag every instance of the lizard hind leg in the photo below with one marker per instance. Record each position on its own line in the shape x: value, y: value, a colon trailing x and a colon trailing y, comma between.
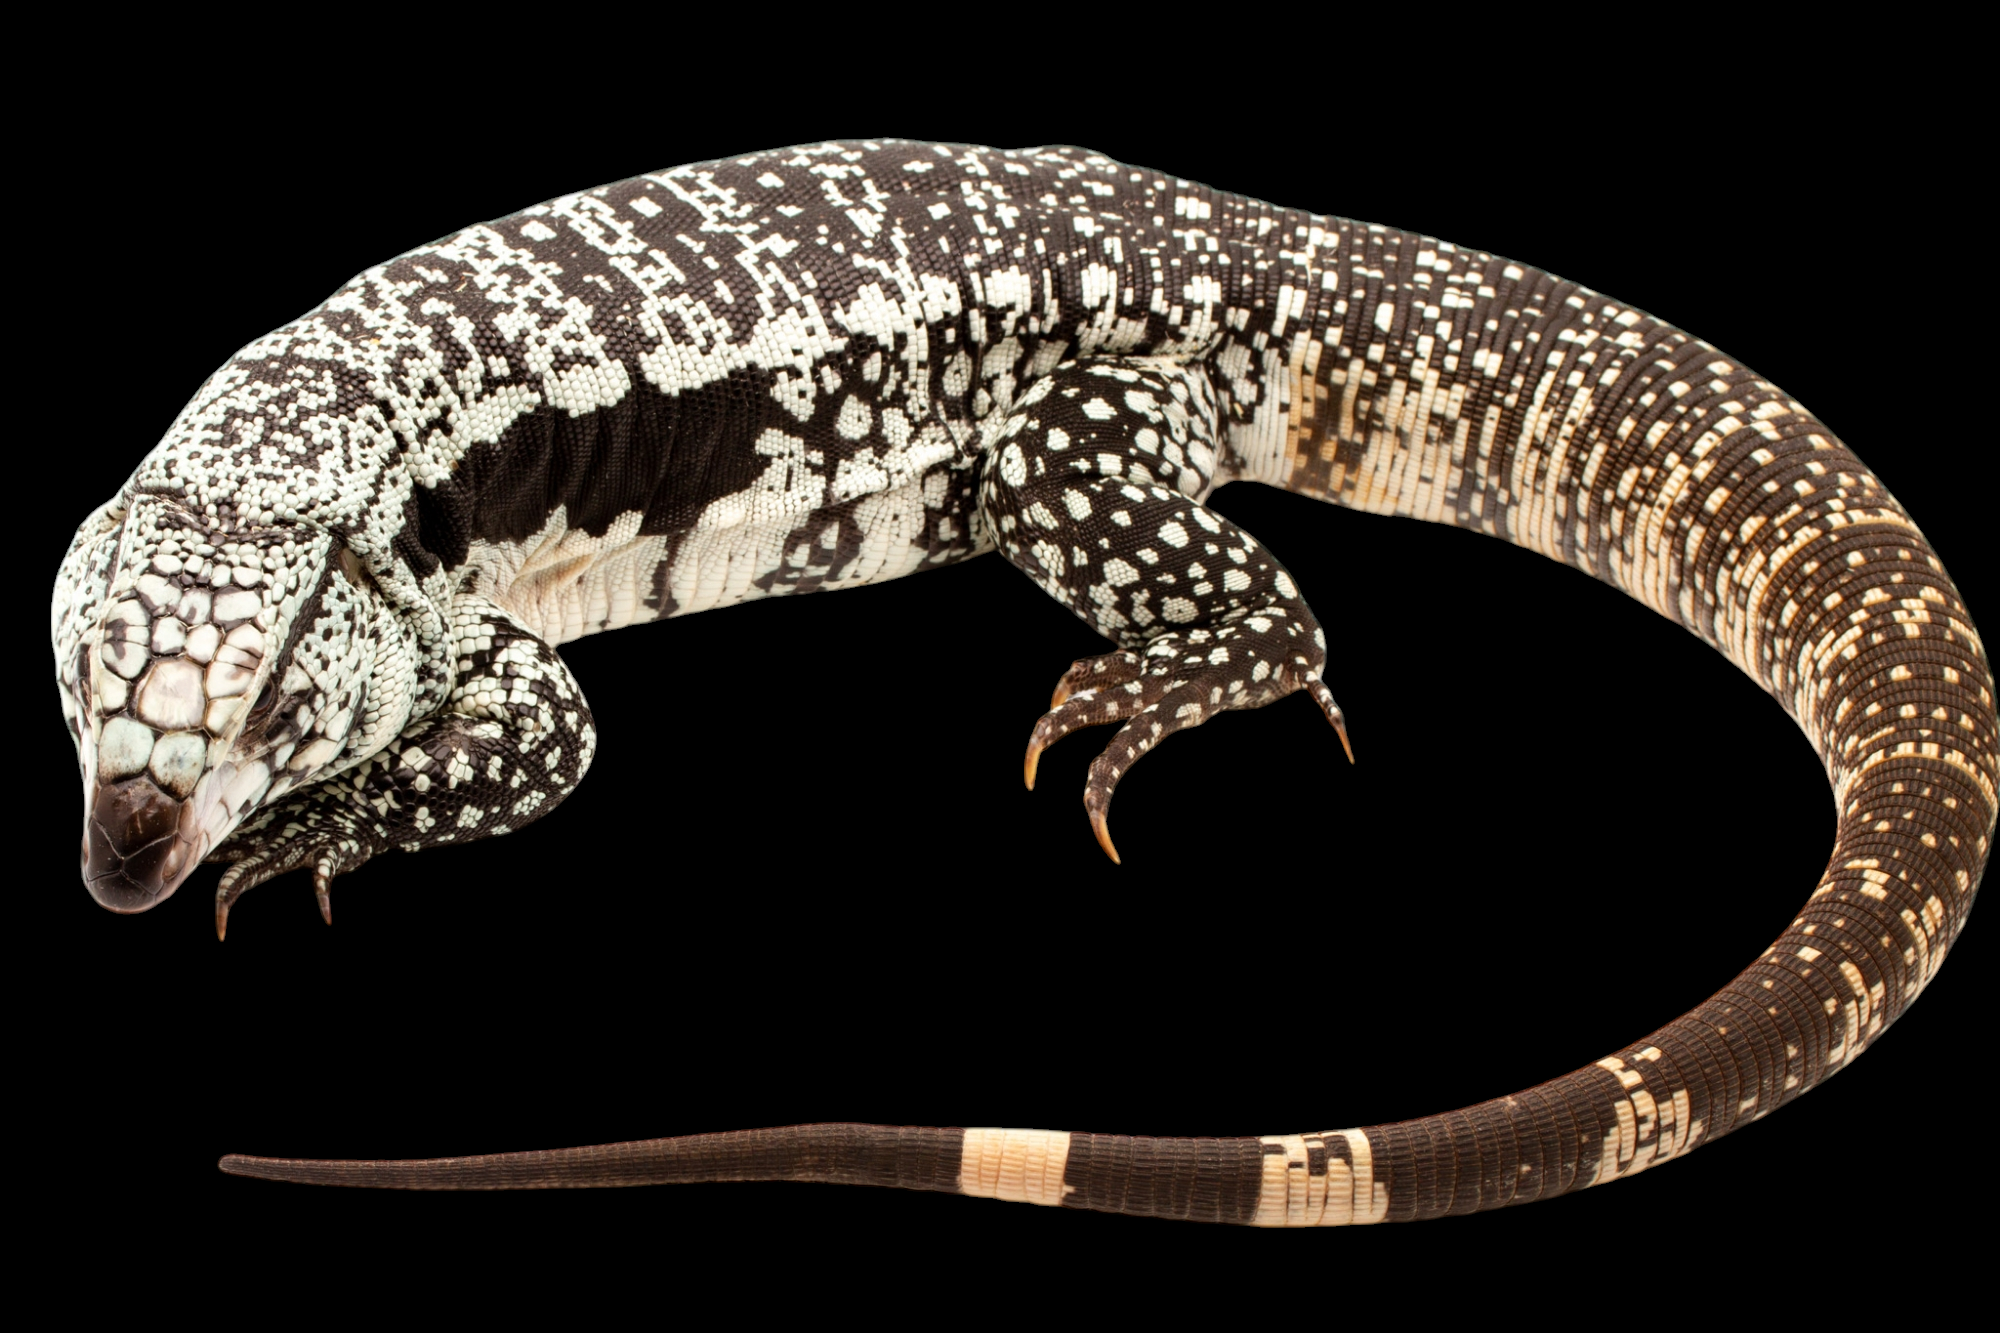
x: 1092, y: 487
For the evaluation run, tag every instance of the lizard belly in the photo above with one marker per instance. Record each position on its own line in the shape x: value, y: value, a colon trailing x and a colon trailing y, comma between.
x: 564, y: 582
x: 785, y: 535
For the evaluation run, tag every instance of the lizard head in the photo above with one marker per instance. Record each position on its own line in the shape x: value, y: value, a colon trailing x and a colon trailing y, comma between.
x: 205, y: 672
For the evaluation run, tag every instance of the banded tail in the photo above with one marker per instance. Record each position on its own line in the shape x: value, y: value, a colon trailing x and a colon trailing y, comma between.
x: 1323, y: 1180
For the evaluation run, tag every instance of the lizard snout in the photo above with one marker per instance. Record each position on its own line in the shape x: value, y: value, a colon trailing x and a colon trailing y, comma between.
x: 134, y: 851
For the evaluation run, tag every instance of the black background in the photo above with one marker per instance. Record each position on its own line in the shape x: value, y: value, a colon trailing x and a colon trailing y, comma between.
x: 803, y: 881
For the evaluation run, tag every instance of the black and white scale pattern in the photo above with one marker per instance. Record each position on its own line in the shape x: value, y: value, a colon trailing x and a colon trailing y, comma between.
x: 319, y: 621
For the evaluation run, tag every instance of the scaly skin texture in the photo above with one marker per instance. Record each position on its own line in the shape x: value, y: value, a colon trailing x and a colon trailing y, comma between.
x: 318, y: 622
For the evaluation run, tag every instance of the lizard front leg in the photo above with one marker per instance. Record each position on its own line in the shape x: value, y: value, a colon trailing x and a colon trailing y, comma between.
x: 514, y: 738
x: 1093, y: 487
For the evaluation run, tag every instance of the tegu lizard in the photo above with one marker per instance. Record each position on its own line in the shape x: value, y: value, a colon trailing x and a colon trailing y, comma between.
x: 320, y: 621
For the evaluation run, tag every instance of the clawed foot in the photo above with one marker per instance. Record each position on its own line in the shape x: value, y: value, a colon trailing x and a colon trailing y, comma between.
x: 251, y: 871
x: 260, y: 854
x: 1180, y: 680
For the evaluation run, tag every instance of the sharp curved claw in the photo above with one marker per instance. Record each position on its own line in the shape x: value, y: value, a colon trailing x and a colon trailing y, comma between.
x: 1324, y: 698
x: 251, y: 870
x: 1100, y: 825
x: 1340, y: 729
x: 1031, y: 763
x: 234, y: 884
x: 1062, y: 693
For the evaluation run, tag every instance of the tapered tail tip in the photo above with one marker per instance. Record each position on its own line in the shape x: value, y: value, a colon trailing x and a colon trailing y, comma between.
x: 305, y: 1171
x: 1324, y: 698
x: 262, y: 1168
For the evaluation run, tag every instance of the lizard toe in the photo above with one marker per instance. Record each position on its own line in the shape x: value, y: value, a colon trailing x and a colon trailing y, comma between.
x: 1097, y: 673
x: 326, y: 855
x: 1180, y: 681
x: 1092, y: 693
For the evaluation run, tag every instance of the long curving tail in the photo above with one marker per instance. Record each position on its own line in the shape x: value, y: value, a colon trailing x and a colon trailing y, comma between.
x: 1414, y: 378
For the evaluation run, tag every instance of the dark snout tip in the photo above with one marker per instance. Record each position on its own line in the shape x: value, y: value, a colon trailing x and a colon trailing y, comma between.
x: 133, y: 855
x: 122, y: 894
